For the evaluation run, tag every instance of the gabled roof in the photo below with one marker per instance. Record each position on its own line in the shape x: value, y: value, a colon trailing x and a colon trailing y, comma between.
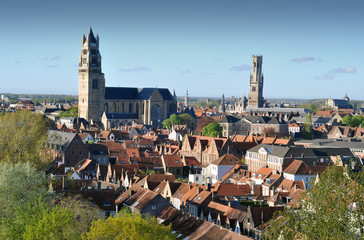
x: 263, y: 214
x: 230, y: 189
x: 182, y: 190
x: 298, y: 167
x: 172, y: 161
x: 227, y: 159
x: 58, y: 138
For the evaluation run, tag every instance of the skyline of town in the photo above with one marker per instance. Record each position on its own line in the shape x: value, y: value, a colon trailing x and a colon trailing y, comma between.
x: 205, y: 48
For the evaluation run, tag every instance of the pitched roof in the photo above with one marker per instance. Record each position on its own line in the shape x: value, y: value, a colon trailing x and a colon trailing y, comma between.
x: 230, y: 189
x: 227, y: 159
x: 135, y: 93
x: 298, y: 167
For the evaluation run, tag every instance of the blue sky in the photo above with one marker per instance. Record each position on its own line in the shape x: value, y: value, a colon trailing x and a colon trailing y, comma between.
x: 310, y: 48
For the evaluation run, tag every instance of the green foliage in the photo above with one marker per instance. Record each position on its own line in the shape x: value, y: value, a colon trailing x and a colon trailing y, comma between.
x: 313, y: 108
x: 354, y: 121
x: 26, y: 210
x: 57, y: 223
x: 72, y: 112
x: 127, y: 225
x: 23, y: 198
x: 184, y: 118
x: 214, y: 129
x: 307, y: 127
x: 188, y: 120
x: 346, y: 120
x: 22, y: 137
x: 173, y: 119
x: 332, y: 209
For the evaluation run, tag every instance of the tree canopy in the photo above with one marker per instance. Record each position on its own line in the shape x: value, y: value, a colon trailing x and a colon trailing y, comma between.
x: 29, y: 211
x: 214, y: 129
x: 354, y: 121
x: 128, y: 225
x: 332, y: 209
x: 307, y: 127
x: 22, y: 138
x: 72, y: 112
x: 184, y: 118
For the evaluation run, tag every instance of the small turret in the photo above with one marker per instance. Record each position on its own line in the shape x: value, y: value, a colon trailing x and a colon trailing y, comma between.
x: 83, y: 39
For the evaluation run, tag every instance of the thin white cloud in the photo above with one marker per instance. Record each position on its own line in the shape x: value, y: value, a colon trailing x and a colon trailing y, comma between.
x: 243, y: 67
x: 343, y: 70
x: 185, y: 71
x: 324, y: 77
x: 135, y: 69
x: 305, y: 59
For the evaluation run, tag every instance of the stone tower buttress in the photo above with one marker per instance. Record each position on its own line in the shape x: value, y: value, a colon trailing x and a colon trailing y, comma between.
x: 91, y: 88
x: 256, y: 99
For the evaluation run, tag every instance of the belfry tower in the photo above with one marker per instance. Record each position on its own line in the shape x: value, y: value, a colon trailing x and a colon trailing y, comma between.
x: 256, y: 99
x: 91, y: 88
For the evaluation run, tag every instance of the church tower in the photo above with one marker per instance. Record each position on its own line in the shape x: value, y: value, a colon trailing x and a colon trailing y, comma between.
x: 186, y: 99
x: 256, y: 99
x: 91, y: 88
x: 222, y: 104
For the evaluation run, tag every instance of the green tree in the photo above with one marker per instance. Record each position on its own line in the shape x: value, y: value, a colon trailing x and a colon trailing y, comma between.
x: 313, y: 108
x: 57, y: 223
x: 72, y: 112
x: 173, y: 119
x: 332, y: 209
x: 307, y: 127
x: 23, y: 198
x: 356, y: 121
x: 22, y: 137
x: 127, y: 225
x: 214, y: 129
x: 188, y: 120
x: 346, y: 120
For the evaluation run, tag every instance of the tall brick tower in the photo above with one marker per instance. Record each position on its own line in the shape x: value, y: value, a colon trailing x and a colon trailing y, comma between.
x: 256, y: 99
x: 91, y: 88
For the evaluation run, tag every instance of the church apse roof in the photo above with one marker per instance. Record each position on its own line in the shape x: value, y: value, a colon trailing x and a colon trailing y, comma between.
x: 135, y: 93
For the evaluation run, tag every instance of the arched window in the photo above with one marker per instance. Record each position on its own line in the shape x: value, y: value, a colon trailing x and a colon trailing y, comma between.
x: 130, y: 107
x: 122, y: 108
x: 106, y: 108
x: 114, y: 107
x: 137, y: 108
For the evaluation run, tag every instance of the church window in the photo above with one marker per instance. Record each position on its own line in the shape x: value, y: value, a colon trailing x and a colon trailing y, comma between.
x: 106, y: 108
x: 95, y: 84
x: 114, y: 107
x: 94, y: 61
x: 253, y: 89
x: 122, y: 108
x: 130, y: 107
x: 84, y: 51
x: 84, y: 60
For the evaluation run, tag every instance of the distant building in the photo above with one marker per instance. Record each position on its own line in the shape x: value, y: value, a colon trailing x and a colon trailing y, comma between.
x: 256, y: 99
x: 147, y: 105
x: 338, y: 103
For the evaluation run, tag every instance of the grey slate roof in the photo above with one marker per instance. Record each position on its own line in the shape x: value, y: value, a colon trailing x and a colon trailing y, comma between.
x: 135, y: 93
x: 58, y: 138
x: 230, y: 119
x: 263, y: 119
x: 296, y: 152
